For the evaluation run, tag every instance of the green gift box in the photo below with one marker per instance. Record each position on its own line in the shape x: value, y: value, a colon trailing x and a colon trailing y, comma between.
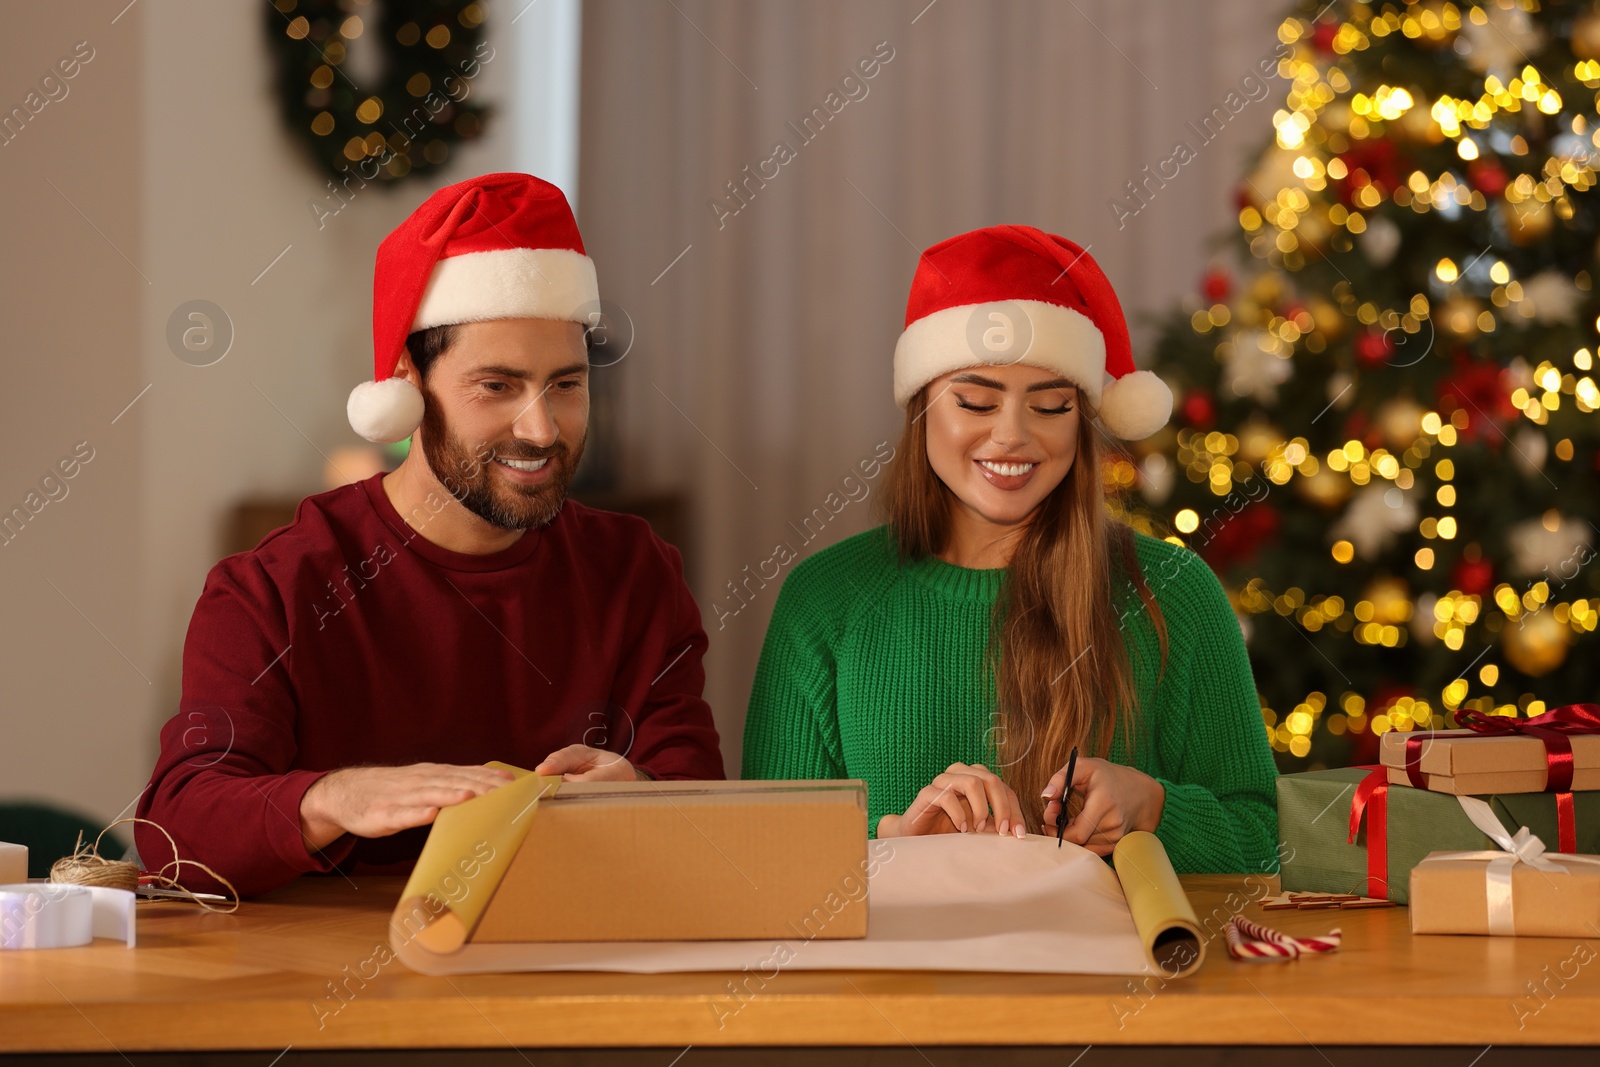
x: 1314, y: 824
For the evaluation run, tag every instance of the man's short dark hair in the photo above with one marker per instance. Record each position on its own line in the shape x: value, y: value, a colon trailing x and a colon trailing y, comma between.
x: 428, y: 345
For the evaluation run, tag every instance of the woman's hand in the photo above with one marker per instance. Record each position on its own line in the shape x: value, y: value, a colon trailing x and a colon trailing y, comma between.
x: 1115, y: 801
x: 962, y: 799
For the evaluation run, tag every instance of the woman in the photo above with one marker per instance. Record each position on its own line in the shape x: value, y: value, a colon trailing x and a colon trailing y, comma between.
x: 1002, y: 616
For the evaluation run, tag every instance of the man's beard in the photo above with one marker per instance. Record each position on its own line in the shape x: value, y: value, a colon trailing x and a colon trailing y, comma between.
x: 466, y: 474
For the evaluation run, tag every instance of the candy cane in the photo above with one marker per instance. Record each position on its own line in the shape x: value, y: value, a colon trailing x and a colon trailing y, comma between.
x: 1249, y: 940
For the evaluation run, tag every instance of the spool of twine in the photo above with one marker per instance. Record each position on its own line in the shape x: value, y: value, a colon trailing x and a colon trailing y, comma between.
x: 87, y: 867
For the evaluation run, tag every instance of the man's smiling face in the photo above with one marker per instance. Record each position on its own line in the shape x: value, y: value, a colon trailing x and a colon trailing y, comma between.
x: 506, y: 416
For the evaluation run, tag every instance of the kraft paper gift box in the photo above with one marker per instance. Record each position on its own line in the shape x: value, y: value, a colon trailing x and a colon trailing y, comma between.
x: 542, y: 860
x: 1314, y: 827
x: 1514, y: 889
x: 1466, y: 762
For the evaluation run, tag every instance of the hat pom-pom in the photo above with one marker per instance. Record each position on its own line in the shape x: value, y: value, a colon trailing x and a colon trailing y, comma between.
x: 386, y: 411
x: 1135, y: 405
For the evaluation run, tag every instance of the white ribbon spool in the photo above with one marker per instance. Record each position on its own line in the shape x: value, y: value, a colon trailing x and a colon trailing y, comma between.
x: 47, y: 915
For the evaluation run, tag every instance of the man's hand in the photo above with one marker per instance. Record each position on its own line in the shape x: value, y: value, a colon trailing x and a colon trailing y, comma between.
x: 1116, y: 800
x: 379, y: 801
x: 957, y: 801
x: 580, y: 763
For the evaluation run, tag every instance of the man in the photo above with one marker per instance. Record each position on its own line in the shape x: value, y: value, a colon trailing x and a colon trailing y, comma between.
x: 350, y: 676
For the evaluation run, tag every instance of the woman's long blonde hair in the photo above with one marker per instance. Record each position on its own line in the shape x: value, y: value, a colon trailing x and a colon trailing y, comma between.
x: 1056, y: 647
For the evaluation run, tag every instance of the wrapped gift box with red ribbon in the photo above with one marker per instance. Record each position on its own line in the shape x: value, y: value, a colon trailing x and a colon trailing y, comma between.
x: 1347, y: 830
x: 1557, y: 752
x: 1469, y: 763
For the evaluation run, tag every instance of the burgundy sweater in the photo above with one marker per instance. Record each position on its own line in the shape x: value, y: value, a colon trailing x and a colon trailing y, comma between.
x: 349, y: 638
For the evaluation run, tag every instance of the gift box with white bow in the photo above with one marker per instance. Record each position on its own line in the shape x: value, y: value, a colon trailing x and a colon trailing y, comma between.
x: 1518, y: 889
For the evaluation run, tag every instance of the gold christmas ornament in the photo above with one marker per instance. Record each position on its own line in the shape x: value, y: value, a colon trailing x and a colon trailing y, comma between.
x: 1328, y: 319
x: 1314, y: 230
x: 1422, y: 621
x: 1418, y: 127
x: 1458, y: 316
x: 1585, y: 39
x: 1267, y: 289
x: 1275, y: 171
x: 1257, y: 439
x: 1326, y: 489
x: 1536, y: 644
x: 1527, y: 221
x: 1390, y: 599
x: 1401, y: 422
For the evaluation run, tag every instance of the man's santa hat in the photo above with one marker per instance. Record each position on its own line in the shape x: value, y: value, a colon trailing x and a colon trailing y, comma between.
x: 499, y: 246
x: 1015, y: 294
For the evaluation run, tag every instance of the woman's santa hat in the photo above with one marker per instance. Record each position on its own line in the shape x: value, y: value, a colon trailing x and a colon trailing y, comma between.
x: 1015, y: 294
x: 499, y: 246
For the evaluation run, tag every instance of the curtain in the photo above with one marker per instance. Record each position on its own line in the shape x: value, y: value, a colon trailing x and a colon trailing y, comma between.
x: 758, y: 179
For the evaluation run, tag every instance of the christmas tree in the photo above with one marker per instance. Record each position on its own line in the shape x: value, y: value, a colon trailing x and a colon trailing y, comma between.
x: 1385, y: 435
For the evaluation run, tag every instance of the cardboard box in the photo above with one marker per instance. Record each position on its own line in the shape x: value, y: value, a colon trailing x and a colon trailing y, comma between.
x: 1314, y: 825
x: 1450, y: 896
x: 687, y: 861
x: 1472, y: 764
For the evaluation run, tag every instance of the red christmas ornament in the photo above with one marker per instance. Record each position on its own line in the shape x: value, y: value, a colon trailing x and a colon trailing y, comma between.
x: 1322, y: 37
x: 1474, y: 577
x: 1359, y: 427
x: 1487, y: 176
x: 1239, y: 539
x: 1480, y: 389
x: 1373, y: 346
x: 1198, y: 409
x: 1216, y: 285
x: 1371, y: 162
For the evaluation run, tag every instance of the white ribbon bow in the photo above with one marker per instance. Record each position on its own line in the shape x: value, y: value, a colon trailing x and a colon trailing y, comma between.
x: 1521, y: 847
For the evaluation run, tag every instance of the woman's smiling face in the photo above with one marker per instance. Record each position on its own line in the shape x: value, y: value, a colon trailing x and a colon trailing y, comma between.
x: 1001, y: 438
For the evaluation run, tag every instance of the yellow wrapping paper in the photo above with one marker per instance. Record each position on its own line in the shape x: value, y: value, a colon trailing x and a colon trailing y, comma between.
x: 1161, y: 910
x: 465, y: 857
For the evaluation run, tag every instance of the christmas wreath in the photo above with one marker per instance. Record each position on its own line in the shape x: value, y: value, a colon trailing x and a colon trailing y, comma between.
x: 400, y: 117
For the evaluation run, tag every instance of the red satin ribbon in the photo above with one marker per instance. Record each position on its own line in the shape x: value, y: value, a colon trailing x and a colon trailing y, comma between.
x: 1554, y: 728
x: 1372, y: 794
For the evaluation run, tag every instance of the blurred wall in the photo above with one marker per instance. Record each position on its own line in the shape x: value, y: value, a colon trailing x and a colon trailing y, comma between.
x: 78, y: 672
x: 760, y: 370
x: 171, y: 147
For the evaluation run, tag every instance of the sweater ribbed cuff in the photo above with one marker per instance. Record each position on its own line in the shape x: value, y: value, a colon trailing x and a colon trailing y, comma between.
x: 1187, y: 814
x: 283, y: 826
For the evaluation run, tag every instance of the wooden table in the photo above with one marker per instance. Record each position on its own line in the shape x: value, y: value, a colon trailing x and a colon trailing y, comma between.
x: 265, y: 979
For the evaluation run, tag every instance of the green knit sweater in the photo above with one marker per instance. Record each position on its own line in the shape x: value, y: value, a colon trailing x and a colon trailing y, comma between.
x: 875, y: 670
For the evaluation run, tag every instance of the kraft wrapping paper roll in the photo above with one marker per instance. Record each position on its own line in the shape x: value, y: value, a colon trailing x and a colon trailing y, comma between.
x: 47, y: 915
x: 1161, y: 910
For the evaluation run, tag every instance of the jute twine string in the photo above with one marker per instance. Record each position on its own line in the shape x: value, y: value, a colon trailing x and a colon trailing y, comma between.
x: 87, y: 867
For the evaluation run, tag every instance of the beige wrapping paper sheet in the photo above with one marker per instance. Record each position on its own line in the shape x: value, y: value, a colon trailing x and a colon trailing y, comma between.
x: 949, y: 902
